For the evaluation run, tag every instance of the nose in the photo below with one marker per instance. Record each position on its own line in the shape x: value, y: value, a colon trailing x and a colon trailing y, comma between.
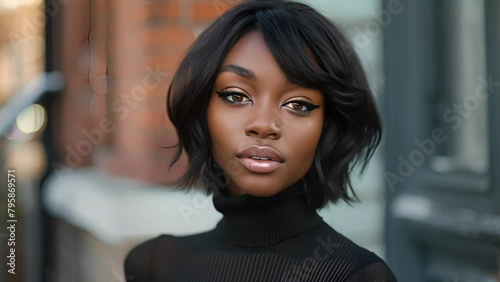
x: 264, y: 124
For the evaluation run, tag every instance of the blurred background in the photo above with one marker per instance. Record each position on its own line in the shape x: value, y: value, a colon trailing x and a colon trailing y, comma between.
x: 82, y: 117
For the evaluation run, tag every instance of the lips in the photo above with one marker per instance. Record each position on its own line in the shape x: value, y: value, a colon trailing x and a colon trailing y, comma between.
x: 260, y: 159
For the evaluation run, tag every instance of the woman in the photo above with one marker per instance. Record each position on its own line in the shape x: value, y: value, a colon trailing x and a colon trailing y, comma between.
x: 273, y: 109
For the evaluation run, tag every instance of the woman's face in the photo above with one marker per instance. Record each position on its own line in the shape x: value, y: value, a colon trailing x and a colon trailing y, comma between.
x: 264, y: 129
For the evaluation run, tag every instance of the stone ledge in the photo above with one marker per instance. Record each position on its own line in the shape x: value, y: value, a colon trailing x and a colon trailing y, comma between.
x: 116, y: 210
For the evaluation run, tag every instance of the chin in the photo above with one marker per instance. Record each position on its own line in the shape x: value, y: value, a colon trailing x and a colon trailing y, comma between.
x: 263, y: 192
x: 258, y: 188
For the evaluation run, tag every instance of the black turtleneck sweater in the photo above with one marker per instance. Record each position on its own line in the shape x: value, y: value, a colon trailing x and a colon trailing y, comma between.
x: 258, y: 239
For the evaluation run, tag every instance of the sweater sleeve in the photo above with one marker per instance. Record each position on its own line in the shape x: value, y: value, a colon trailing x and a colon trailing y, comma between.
x: 376, y: 272
x: 137, y: 264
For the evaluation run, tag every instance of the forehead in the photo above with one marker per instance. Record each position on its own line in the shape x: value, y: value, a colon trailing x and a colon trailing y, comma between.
x: 252, y: 52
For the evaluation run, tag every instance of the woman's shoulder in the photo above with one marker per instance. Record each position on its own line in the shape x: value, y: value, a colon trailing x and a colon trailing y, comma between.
x: 137, y: 264
x: 341, y: 255
x: 375, y: 271
x: 340, y: 246
x: 157, y: 245
x: 141, y: 260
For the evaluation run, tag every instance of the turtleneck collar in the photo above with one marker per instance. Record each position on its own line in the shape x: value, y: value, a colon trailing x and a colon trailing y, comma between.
x: 251, y: 221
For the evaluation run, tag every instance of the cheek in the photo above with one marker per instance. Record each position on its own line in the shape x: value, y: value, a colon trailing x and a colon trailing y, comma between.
x: 215, y: 128
x: 221, y: 128
x: 304, y: 144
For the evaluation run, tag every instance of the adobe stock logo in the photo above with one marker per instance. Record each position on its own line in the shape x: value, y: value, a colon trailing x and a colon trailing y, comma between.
x: 454, y: 117
x: 29, y: 32
x: 306, y: 267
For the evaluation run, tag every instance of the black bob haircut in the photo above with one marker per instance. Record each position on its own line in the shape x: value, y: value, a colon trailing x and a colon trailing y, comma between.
x: 292, y: 31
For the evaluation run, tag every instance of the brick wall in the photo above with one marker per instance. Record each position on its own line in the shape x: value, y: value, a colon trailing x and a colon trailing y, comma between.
x: 113, y: 112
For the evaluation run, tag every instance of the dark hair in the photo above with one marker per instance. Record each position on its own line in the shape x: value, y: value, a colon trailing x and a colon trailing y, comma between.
x: 352, y: 128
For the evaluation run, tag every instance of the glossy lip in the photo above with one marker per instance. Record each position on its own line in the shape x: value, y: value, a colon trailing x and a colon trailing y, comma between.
x: 260, y: 166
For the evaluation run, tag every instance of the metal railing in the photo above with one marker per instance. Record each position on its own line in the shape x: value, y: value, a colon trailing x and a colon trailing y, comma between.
x: 48, y: 82
x: 29, y: 205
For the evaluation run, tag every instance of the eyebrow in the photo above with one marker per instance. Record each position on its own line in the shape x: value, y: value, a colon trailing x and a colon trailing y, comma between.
x: 240, y: 71
x: 243, y: 72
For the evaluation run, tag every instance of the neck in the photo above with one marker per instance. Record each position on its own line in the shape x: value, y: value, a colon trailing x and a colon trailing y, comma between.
x: 252, y: 221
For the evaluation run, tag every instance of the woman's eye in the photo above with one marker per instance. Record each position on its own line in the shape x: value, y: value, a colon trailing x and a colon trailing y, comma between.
x: 233, y: 97
x: 236, y: 98
x: 300, y: 106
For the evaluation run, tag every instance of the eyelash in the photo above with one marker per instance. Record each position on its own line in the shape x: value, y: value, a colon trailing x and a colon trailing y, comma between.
x: 224, y: 94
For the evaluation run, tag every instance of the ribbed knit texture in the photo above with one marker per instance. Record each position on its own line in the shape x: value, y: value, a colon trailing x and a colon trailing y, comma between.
x: 259, y: 239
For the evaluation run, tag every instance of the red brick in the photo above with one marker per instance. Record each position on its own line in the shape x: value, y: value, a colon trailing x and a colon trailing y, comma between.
x: 205, y: 11
x: 167, y: 36
x: 137, y: 34
x: 212, y: 9
x: 134, y: 17
x: 127, y: 72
